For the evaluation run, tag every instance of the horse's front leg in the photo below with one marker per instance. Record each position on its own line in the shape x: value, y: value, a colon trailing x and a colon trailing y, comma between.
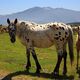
x: 65, y: 57
x: 28, y: 59
x: 56, y: 70
x: 36, y: 61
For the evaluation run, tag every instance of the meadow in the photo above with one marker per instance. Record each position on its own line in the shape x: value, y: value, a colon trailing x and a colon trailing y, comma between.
x: 13, y: 61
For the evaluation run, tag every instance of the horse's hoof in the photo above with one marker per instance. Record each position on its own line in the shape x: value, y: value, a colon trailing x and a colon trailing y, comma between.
x: 64, y: 72
x: 37, y: 71
x: 27, y: 70
x: 55, y: 73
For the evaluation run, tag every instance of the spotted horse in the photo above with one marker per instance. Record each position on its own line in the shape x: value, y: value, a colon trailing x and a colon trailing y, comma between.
x: 43, y: 36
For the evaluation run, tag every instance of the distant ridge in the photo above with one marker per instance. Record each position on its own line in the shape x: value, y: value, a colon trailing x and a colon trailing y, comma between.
x: 44, y: 15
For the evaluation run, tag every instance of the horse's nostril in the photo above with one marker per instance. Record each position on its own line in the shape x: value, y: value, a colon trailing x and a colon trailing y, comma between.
x: 12, y: 40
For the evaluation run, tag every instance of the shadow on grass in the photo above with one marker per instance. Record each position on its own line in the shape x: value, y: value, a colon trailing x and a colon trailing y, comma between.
x: 41, y: 75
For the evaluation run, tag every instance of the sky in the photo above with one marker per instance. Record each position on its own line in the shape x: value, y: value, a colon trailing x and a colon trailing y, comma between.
x: 13, y: 6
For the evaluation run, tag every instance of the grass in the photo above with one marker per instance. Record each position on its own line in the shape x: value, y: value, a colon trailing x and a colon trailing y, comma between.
x: 13, y: 61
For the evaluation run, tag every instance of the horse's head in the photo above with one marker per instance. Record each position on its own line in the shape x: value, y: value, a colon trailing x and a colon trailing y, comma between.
x: 12, y: 30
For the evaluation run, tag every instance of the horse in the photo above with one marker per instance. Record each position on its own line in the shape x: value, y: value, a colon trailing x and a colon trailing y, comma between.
x: 78, y: 46
x: 46, y: 35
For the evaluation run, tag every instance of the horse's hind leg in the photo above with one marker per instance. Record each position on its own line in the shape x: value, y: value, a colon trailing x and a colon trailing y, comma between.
x: 36, y: 61
x: 28, y: 59
x: 65, y: 57
x: 56, y: 70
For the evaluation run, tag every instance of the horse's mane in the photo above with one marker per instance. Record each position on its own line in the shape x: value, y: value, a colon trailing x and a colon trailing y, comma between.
x: 38, y: 27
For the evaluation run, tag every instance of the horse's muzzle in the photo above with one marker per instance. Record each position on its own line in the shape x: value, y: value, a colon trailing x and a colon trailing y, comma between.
x: 13, y: 40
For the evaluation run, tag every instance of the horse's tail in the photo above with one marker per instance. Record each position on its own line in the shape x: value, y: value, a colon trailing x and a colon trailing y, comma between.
x: 70, y: 44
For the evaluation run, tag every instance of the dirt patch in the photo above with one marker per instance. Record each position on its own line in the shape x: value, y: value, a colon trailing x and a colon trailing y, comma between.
x: 3, y: 73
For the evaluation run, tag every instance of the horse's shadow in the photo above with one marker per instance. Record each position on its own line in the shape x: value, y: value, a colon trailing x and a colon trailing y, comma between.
x: 43, y: 75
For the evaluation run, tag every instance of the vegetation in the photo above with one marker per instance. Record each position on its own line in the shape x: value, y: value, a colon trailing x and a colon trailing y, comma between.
x: 13, y: 61
x: 74, y: 24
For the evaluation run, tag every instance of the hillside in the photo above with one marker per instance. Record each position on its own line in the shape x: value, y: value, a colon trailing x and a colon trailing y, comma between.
x: 44, y: 15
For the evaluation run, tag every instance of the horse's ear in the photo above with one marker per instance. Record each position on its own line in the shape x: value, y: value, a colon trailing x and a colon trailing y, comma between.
x: 15, y: 21
x: 8, y: 21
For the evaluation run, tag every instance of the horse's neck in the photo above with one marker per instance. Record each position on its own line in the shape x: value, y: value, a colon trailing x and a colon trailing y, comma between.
x: 19, y: 31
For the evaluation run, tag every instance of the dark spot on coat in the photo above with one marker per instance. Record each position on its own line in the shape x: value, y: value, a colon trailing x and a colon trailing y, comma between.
x: 59, y: 33
x: 56, y: 34
x: 60, y: 27
x: 54, y: 25
x: 40, y: 26
x: 43, y: 27
x: 32, y: 29
x: 59, y: 36
x: 57, y: 28
x: 63, y: 39
x: 60, y: 39
x: 66, y: 33
x: 49, y: 26
x: 22, y: 23
x: 56, y: 38
x: 26, y: 24
x: 27, y: 40
x: 63, y: 28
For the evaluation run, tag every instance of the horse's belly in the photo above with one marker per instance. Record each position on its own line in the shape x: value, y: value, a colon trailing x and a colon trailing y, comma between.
x: 43, y: 43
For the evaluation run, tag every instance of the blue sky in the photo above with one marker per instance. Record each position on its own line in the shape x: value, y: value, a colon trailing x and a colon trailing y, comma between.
x: 13, y: 6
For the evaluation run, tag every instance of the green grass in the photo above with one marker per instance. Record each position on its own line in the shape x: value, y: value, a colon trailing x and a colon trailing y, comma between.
x: 13, y: 59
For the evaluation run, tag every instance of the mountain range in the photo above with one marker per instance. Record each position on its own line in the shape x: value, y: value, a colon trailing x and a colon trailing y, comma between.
x: 44, y: 15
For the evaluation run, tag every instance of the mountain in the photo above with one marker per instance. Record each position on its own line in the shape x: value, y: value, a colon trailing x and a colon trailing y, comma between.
x: 44, y: 15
